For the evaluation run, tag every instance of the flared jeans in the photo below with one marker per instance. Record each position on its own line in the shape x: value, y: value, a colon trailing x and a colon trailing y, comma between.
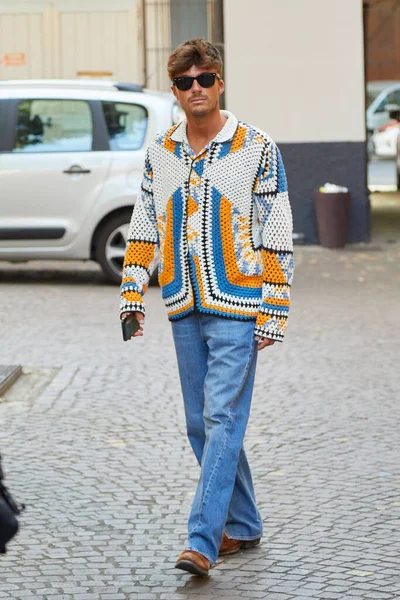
x: 217, y: 361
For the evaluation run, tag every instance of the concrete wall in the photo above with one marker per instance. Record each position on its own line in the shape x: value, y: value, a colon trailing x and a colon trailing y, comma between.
x: 295, y: 68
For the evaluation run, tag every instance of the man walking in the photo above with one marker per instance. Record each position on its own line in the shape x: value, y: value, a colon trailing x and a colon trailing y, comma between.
x: 214, y: 212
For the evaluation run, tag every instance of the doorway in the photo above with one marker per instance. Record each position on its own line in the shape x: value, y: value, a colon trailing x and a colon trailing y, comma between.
x: 382, y: 70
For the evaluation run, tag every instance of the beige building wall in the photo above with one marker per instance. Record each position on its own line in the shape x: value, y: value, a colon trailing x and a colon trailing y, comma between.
x: 295, y: 68
x: 22, y: 31
x: 71, y: 38
x: 158, y: 43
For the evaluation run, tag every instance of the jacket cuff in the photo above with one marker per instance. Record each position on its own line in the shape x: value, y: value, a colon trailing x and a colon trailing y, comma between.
x: 132, y: 307
x: 264, y: 333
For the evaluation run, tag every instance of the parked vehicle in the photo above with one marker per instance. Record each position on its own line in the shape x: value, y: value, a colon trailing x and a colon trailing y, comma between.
x: 379, y: 95
x: 398, y: 163
x: 71, y: 163
x: 394, y: 113
x: 384, y: 139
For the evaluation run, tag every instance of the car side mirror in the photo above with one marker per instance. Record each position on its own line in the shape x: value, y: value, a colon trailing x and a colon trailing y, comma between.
x: 393, y: 110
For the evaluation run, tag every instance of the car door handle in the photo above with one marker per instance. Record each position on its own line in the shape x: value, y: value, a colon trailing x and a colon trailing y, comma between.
x: 76, y: 170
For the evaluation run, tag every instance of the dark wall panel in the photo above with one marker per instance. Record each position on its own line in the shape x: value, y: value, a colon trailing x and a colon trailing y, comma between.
x: 310, y: 165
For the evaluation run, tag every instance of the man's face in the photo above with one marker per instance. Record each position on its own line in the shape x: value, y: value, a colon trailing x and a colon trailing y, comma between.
x: 199, y: 101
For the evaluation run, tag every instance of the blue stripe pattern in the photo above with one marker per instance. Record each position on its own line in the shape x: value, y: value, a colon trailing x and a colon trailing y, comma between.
x: 177, y: 215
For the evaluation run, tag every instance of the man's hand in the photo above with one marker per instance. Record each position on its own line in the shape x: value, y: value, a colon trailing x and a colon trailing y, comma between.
x: 264, y: 342
x: 139, y: 316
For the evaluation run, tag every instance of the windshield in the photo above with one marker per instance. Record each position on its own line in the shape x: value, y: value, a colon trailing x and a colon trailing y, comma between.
x: 371, y: 95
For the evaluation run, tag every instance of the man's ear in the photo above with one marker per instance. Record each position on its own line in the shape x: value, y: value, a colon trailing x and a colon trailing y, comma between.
x: 221, y: 86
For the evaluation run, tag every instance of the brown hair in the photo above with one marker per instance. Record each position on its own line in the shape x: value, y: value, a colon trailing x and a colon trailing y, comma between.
x: 196, y: 52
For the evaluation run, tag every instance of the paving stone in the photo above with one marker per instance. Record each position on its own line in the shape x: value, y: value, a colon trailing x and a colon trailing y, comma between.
x: 93, y: 441
x: 379, y: 596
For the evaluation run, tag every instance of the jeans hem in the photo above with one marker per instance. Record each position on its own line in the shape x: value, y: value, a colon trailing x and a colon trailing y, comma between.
x: 208, y: 557
x: 244, y: 538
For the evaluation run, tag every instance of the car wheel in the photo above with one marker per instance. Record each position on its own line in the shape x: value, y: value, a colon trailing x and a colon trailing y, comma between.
x: 110, y: 244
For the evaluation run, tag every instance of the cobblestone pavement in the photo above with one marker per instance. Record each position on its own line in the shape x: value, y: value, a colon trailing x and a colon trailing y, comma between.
x: 94, y: 442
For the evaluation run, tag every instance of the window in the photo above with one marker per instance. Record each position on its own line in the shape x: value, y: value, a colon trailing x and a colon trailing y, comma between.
x: 3, y: 121
x: 126, y: 125
x: 382, y: 105
x: 53, y: 126
x: 392, y: 98
x: 371, y: 95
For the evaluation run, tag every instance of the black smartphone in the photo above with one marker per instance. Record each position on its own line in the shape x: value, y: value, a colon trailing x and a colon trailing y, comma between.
x: 130, y: 325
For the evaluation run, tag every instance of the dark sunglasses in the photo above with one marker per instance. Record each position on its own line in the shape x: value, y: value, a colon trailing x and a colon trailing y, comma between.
x: 184, y: 83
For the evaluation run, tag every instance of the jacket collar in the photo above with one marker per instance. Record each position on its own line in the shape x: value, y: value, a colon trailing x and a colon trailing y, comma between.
x: 226, y: 133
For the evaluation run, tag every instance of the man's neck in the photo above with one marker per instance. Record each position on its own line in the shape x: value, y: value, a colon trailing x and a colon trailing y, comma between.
x: 201, y: 130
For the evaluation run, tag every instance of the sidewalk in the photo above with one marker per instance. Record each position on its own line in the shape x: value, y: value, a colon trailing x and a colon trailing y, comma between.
x: 385, y: 209
x: 93, y: 439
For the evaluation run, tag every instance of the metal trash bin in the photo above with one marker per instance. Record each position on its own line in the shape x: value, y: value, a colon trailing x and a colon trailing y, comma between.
x: 332, y: 213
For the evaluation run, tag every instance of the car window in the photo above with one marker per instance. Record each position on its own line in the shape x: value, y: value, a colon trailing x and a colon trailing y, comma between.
x: 371, y: 95
x: 53, y: 126
x: 126, y: 125
x: 394, y: 97
x: 381, y: 107
x: 3, y: 120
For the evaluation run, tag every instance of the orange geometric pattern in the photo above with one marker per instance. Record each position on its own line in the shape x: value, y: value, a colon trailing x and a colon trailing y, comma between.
x: 139, y: 253
x: 192, y: 207
x: 132, y: 296
x: 169, y: 144
x: 272, y: 269
x: 238, y: 138
x: 166, y: 276
x: 233, y: 273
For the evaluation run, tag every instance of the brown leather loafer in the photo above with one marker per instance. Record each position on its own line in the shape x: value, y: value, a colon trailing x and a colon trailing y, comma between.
x: 231, y: 546
x: 193, y: 562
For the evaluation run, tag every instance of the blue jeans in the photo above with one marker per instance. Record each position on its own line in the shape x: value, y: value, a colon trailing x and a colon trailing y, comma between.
x: 217, y: 361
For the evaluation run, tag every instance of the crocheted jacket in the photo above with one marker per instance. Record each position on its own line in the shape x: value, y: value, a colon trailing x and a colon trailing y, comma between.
x: 219, y: 225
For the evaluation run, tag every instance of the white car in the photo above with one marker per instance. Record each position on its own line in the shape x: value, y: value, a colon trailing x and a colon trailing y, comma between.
x: 379, y: 95
x: 385, y: 139
x: 398, y: 164
x: 71, y: 163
